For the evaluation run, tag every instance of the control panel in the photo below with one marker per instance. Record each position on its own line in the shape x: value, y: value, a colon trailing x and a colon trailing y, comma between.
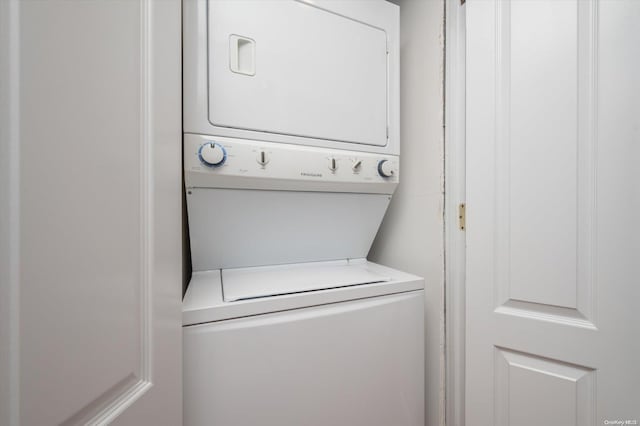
x: 219, y: 162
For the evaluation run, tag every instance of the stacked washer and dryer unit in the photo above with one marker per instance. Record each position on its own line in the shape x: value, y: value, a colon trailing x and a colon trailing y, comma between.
x: 291, y: 155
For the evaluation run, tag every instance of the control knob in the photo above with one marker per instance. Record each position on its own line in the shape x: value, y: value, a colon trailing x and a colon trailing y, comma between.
x: 212, y: 154
x: 262, y: 158
x: 386, y: 168
x: 333, y: 164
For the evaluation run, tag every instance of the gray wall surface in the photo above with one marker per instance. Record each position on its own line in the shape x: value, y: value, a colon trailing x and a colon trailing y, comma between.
x: 411, y: 236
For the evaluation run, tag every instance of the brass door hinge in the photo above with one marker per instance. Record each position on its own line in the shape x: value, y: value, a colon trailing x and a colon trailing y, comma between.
x: 462, y: 217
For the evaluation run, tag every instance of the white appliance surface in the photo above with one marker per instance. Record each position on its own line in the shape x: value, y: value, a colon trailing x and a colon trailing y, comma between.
x: 251, y: 283
x: 319, y: 73
x: 307, y: 72
x: 268, y: 203
x: 205, y: 297
x: 351, y: 356
x: 232, y: 228
x: 250, y: 164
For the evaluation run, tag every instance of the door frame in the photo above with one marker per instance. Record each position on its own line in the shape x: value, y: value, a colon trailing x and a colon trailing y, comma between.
x: 9, y: 213
x: 455, y: 194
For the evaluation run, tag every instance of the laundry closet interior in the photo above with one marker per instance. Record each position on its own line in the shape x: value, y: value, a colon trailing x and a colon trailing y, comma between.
x: 268, y: 212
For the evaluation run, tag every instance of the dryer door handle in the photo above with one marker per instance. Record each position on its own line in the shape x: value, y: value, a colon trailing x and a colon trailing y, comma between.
x: 242, y: 55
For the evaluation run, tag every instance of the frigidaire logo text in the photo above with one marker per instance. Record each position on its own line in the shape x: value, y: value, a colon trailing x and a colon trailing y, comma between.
x: 311, y: 174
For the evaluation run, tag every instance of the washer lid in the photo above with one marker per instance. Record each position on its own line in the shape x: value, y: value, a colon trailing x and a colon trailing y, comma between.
x: 251, y: 283
x: 204, y: 303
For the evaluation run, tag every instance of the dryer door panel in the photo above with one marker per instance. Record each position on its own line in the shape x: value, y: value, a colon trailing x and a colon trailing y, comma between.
x: 288, y: 67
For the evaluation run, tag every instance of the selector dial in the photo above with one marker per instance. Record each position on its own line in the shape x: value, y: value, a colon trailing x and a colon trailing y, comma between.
x: 212, y: 154
x: 386, y: 168
x: 333, y: 164
x: 262, y: 158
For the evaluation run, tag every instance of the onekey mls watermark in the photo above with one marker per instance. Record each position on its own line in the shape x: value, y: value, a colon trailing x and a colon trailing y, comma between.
x: 621, y: 422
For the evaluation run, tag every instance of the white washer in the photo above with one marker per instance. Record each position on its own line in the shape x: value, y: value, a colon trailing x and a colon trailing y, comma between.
x: 346, y: 356
x: 291, y: 156
x: 321, y: 341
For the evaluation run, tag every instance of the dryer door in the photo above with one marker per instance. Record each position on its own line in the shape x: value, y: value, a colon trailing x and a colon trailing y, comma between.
x: 288, y: 67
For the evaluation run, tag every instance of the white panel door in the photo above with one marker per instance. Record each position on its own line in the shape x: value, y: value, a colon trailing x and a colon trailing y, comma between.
x: 553, y: 194
x: 91, y: 189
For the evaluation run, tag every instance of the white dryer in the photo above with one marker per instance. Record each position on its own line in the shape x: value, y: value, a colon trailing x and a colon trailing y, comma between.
x: 291, y: 156
x: 310, y: 72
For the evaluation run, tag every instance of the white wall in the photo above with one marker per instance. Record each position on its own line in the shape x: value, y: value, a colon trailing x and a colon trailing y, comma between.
x: 411, y: 237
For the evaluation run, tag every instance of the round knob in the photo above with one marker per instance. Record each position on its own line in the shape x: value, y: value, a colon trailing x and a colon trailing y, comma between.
x: 357, y: 165
x: 333, y: 164
x: 212, y: 154
x: 262, y: 158
x: 386, y: 168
